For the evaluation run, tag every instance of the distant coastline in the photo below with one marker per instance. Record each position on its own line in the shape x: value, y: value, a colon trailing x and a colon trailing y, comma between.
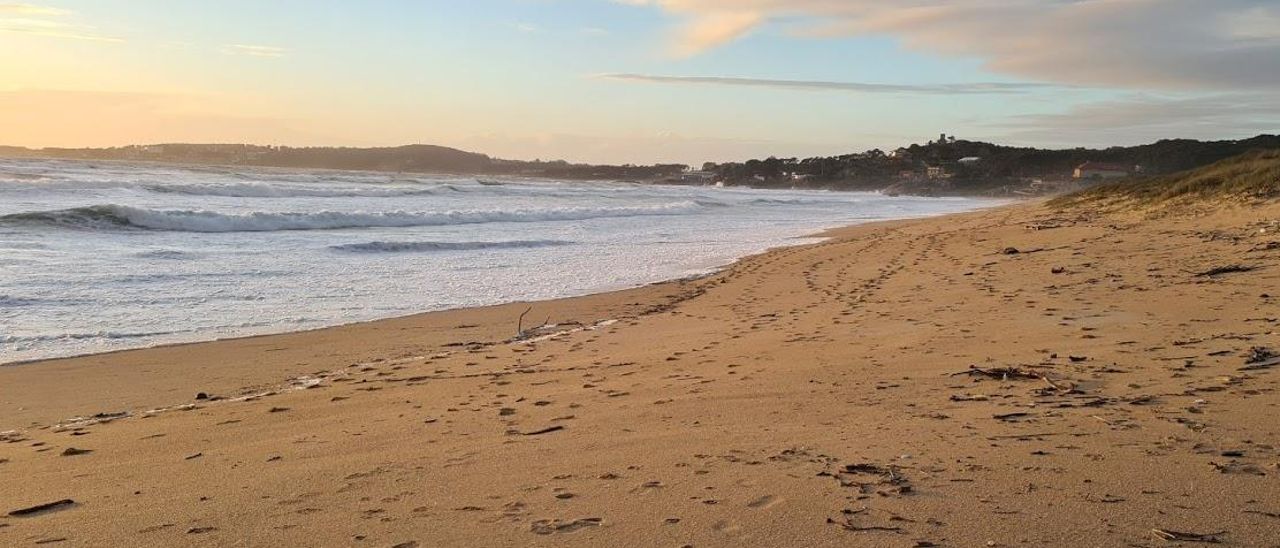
x: 943, y: 167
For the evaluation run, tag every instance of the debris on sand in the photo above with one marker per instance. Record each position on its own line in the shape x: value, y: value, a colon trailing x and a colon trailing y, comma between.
x: 1226, y: 269
x: 1178, y: 536
x: 871, y: 478
x: 546, y: 430
x: 549, y: 526
x: 847, y: 523
x: 1237, y: 468
x: 1260, y: 357
x: 1012, y: 417
x: 42, y: 508
x: 1002, y: 373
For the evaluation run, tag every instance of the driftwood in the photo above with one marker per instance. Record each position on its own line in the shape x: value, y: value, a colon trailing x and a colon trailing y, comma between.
x: 522, y: 333
x: 1059, y: 388
x: 41, y: 508
x: 1011, y: 416
x: 546, y: 430
x: 1226, y: 269
x: 1260, y: 358
x: 1002, y: 373
x: 1178, y: 536
x: 520, y: 323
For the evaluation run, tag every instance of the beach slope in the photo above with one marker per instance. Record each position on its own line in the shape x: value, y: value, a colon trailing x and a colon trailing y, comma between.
x: 1032, y: 374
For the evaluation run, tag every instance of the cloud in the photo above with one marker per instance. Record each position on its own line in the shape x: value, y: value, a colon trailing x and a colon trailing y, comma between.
x: 976, y: 88
x: 48, y: 22
x: 254, y: 50
x: 1168, y: 44
x: 525, y: 28
x: 715, y: 29
x: 30, y: 9
x: 1143, y: 118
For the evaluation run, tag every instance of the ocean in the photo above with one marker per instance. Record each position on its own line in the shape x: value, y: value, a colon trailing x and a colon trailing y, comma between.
x: 100, y: 256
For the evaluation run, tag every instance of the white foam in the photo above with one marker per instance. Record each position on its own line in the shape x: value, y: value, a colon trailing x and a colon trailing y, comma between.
x: 398, y: 247
x: 268, y: 190
x: 93, y: 260
x: 105, y: 216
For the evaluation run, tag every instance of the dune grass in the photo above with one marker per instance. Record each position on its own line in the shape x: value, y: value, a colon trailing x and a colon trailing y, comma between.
x: 1253, y: 176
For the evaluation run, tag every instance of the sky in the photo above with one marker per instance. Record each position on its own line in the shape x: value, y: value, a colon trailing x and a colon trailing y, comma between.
x: 637, y: 81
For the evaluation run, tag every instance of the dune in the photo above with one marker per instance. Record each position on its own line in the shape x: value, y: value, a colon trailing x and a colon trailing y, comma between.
x: 1099, y: 370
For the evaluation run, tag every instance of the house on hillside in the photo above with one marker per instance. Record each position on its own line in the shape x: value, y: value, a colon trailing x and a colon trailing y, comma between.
x: 970, y: 161
x: 1099, y: 170
x: 697, y: 177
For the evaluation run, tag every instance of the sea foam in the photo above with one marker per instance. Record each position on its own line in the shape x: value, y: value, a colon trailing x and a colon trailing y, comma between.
x: 106, y: 217
x: 399, y: 247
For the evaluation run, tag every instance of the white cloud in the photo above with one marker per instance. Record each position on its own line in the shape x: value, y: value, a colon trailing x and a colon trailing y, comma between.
x: 974, y: 88
x: 255, y: 50
x: 31, y: 9
x: 48, y: 22
x: 526, y: 28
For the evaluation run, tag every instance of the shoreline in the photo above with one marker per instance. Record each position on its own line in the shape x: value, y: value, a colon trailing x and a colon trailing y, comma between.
x: 114, y: 358
x: 662, y: 181
x: 233, y: 338
x: 818, y: 235
x: 1007, y: 376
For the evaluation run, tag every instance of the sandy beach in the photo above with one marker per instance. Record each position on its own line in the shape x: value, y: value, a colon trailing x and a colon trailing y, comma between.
x: 1016, y: 376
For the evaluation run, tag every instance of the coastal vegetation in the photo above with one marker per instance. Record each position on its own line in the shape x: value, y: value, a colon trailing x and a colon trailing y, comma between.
x: 1250, y: 176
x: 946, y: 166
x: 974, y: 167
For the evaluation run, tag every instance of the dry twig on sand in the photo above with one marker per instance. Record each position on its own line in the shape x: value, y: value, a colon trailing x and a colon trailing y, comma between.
x: 1178, y: 536
x: 1226, y: 269
x: 1002, y: 373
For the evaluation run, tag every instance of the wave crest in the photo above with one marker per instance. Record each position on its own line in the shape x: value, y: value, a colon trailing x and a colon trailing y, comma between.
x: 400, y: 247
x: 116, y: 217
x: 262, y: 190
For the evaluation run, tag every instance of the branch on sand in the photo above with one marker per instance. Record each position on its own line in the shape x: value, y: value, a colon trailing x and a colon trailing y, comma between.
x: 1178, y: 536
x: 1227, y: 269
x: 1002, y: 373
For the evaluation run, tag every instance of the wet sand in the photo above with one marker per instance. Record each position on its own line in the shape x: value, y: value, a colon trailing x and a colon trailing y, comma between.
x: 1015, y: 376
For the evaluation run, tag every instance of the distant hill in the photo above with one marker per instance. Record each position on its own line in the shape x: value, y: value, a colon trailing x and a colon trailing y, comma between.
x: 951, y: 166
x: 1250, y: 176
x: 407, y: 158
x: 948, y: 166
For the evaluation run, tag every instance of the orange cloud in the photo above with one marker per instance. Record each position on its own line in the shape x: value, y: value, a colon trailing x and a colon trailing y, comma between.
x: 91, y: 118
x: 1223, y: 44
x: 714, y: 29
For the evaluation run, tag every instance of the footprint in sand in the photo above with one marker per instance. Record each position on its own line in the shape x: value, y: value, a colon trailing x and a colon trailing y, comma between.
x: 766, y: 502
x: 726, y: 527
x: 549, y: 526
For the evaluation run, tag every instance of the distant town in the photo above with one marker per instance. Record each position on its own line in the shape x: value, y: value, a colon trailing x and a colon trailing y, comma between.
x: 951, y: 166
x: 941, y: 167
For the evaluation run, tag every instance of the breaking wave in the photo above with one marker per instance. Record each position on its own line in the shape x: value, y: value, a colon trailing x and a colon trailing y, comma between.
x: 18, y: 339
x: 401, y: 247
x: 262, y: 190
x: 116, y: 217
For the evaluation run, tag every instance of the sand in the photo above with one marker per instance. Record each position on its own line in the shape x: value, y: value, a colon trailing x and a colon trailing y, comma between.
x: 912, y: 383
